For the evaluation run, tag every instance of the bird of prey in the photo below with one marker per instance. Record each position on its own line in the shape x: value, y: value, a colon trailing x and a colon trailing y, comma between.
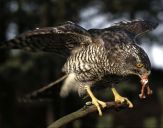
x: 93, y: 56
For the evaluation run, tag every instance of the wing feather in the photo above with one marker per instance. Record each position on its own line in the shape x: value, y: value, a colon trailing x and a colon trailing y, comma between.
x: 135, y: 27
x: 61, y: 39
x: 122, y: 32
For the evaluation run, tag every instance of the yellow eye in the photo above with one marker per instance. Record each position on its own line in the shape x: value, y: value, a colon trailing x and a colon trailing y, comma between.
x: 139, y: 65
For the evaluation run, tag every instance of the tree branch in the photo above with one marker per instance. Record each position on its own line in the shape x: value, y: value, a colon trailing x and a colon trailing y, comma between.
x: 44, y: 88
x: 83, y: 112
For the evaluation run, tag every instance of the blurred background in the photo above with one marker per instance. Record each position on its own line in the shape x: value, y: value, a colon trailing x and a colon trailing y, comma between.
x: 22, y: 72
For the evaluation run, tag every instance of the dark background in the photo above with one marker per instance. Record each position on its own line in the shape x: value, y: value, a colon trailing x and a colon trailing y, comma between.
x: 22, y: 72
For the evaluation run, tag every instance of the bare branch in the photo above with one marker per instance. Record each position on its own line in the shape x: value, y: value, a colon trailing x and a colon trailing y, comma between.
x: 43, y: 89
x: 83, y: 112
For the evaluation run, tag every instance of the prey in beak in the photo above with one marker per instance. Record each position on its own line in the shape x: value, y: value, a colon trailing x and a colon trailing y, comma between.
x: 145, y: 86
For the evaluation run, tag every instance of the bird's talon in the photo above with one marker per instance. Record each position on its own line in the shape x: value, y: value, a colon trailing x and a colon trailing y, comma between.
x: 129, y: 103
x: 103, y: 104
x: 88, y: 103
x: 95, y: 102
x: 123, y: 99
x: 120, y: 99
x: 99, y: 103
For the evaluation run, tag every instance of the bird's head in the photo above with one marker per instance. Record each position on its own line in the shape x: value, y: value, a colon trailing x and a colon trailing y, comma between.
x: 136, y: 62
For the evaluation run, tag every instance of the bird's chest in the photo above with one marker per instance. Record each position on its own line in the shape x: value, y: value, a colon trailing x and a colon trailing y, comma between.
x: 88, y: 64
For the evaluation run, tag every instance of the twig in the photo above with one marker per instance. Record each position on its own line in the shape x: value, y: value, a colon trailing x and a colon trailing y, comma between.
x: 83, y: 112
x: 43, y: 89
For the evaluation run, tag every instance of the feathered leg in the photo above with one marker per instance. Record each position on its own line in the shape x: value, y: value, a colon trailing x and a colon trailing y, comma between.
x: 95, y: 101
x: 121, y: 99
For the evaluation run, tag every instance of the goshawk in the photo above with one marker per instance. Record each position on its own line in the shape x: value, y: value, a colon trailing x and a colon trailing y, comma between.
x: 93, y: 55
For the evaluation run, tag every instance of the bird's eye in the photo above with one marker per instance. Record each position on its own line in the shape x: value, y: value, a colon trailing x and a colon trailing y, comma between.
x: 139, y: 65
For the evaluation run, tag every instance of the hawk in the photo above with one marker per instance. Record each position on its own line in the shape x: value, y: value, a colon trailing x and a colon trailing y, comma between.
x: 96, y: 55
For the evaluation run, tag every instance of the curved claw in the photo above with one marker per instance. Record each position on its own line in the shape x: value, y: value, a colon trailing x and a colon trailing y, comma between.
x: 95, y: 101
x: 128, y: 102
x: 98, y: 104
x: 120, y: 99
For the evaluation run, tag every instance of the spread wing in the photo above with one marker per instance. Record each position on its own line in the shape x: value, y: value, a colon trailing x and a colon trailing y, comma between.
x: 122, y: 32
x: 61, y: 39
x: 135, y: 27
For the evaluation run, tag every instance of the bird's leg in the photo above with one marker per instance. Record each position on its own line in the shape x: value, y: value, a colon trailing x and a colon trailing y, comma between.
x: 95, y: 101
x: 120, y: 99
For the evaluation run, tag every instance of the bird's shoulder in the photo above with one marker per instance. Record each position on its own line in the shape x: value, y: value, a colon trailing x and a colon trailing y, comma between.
x: 111, y: 37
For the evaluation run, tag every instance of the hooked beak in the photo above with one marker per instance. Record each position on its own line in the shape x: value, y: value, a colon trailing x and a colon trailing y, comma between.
x: 144, y: 83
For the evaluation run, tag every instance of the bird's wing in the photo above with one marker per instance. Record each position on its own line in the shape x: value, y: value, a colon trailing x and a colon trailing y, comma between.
x: 135, y: 27
x: 61, y: 39
x: 122, y: 32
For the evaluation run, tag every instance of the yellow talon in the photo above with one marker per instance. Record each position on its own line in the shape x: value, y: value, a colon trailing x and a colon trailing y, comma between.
x: 120, y: 99
x: 95, y: 101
